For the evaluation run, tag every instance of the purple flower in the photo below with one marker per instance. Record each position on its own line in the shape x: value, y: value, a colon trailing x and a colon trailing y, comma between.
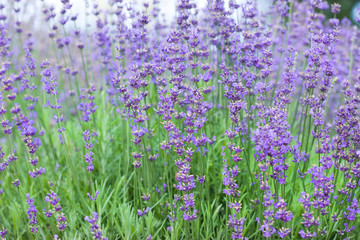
x: 237, y: 225
x: 284, y: 232
x: 143, y: 212
x: 190, y: 216
x: 16, y: 182
x: 201, y: 179
x: 235, y: 205
x: 353, y: 210
x: 95, y: 229
x: 61, y: 222
x: 53, y: 199
x: 87, y: 105
x: 146, y: 196
x: 37, y: 172
x: 136, y: 164
x: 3, y: 233
x: 283, y: 215
x: 267, y: 229
x: 335, y: 8
x: 48, y: 213
x: 50, y: 84
x: 307, y: 235
x: 89, y: 156
x: 32, y: 213
x: 93, y: 199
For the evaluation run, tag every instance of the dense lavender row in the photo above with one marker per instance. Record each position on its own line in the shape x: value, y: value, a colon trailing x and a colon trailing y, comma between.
x: 223, y: 123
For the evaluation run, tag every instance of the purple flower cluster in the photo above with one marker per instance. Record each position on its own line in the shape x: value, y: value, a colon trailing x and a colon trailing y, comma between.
x: 190, y: 213
x: 3, y: 233
x: 93, y: 198
x: 89, y: 155
x: 95, y: 229
x: 87, y: 105
x: 50, y: 86
x: 32, y: 214
x: 37, y: 172
x: 143, y: 212
x: 53, y: 199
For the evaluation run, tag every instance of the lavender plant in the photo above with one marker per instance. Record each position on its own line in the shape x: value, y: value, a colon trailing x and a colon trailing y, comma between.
x: 225, y: 122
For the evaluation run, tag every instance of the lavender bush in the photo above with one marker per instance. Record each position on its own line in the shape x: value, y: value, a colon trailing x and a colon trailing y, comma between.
x: 222, y: 123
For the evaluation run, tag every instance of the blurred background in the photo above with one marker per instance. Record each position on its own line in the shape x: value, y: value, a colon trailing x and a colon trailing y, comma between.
x: 33, y: 14
x: 348, y: 8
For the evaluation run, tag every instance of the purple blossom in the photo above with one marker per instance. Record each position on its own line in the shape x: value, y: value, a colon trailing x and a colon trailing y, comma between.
x: 37, y: 172
x: 237, y: 225
x: 146, y: 196
x: 3, y: 233
x: 284, y: 232
x: 16, y: 182
x: 95, y: 229
x: 91, y: 198
x: 143, y: 212
x: 307, y: 235
x: 32, y: 214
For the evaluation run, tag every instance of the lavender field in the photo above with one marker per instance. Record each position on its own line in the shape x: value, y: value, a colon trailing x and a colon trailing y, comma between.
x: 223, y: 122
